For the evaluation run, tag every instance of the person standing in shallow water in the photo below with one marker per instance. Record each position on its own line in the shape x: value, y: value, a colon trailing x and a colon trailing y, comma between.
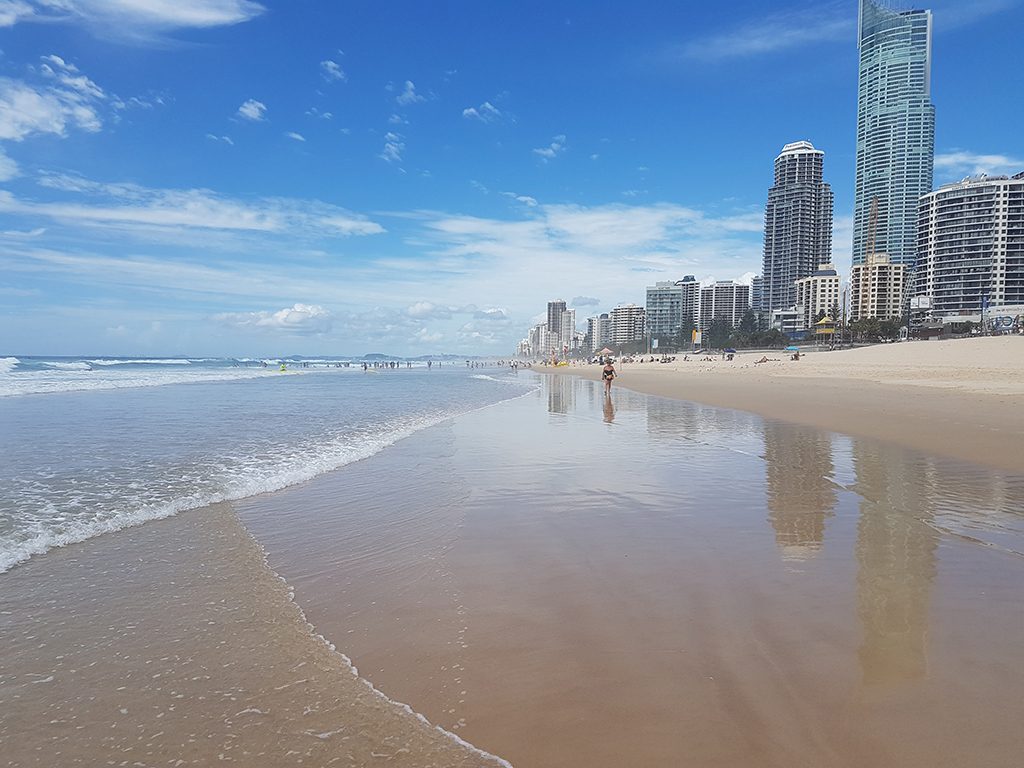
x: 607, y: 374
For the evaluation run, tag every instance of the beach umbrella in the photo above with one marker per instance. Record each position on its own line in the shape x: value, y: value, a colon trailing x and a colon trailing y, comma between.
x: 605, y: 351
x: 792, y: 349
x: 730, y: 351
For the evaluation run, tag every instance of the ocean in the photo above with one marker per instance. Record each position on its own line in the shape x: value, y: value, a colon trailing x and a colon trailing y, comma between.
x: 92, y: 445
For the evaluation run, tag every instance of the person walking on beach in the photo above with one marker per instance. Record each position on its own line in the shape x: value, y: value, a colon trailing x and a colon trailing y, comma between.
x: 607, y: 374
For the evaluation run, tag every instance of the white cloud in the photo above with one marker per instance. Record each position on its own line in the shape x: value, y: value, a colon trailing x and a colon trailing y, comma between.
x: 130, y: 206
x: 252, y: 110
x: 131, y: 18
x: 8, y: 168
x: 393, y: 148
x: 552, y: 150
x: 331, y: 71
x: 427, y: 337
x: 770, y: 34
x: 524, y: 199
x: 314, y: 112
x: 397, y: 119
x: 295, y: 136
x: 225, y: 139
x: 585, y: 301
x: 299, y: 319
x: 485, y: 113
x: 70, y: 102
x: 409, y: 95
x: 962, y: 163
x: 426, y: 309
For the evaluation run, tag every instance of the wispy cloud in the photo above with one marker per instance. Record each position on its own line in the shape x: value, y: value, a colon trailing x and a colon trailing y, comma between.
x: 773, y: 33
x: 314, y: 112
x: 485, y: 113
x: 331, y: 71
x: 552, y: 150
x: 298, y: 319
x: 131, y: 18
x: 8, y: 168
x: 295, y: 136
x: 225, y: 139
x: 128, y: 206
x: 252, y: 110
x: 65, y: 98
x: 585, y: 301
x: 959, y: 162
x: 393, y: 147
x: 409, y: 95
x: 524, y: 199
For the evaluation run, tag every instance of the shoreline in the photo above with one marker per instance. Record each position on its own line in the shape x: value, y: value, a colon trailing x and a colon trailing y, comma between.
x: 959, y: 399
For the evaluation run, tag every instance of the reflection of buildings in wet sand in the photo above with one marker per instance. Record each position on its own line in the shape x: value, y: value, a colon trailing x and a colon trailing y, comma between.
x: 675, y: 418
x: 896, y: 561
x: 800, y: 494
x: 561, y: 392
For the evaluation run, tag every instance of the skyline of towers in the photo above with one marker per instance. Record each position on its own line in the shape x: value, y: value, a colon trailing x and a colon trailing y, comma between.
x: 797, y: 224
x: 895, y: 129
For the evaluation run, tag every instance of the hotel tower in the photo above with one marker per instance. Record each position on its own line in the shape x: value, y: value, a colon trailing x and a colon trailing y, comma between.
x: 895, y: 129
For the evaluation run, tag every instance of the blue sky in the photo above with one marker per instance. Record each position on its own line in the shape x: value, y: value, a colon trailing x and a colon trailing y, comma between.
x: 229, y: 177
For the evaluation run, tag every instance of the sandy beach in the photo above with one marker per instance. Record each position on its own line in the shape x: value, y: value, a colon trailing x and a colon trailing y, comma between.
x: 961, y: 398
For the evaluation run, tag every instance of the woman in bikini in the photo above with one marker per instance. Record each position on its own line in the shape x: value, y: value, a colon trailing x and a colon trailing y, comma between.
x: 607, y: 375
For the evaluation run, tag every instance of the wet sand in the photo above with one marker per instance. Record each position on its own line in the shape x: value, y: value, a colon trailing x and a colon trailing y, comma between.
x: 172, y: 644
x: 962, y: 399
x: 568, y: 581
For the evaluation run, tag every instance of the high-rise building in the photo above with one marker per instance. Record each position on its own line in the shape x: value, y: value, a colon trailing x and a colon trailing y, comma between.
x: 566, y: 330
x: 797, y: 224
x: 599, y: 332
x: 554, y: 322
x: 627, y: 324
x: 895, y: 129
x: 971, y: 245
x: 817, y: 293
x: 724, y: 299
x: 757, y: 294
x: 876, y: 288
x: 670, y: 306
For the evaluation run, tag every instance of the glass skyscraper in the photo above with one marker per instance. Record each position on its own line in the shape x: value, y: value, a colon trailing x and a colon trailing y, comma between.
x: 895, y: 128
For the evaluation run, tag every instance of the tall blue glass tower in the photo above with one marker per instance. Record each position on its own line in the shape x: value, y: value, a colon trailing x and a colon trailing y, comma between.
x: 895, y: 129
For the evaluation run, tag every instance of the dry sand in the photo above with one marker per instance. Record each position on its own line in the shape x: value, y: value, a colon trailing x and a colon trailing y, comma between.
x: 963, y: 398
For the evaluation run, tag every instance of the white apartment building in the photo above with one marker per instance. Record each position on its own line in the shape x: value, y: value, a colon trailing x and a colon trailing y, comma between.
x: 817, y: 294
x: 670, y: 305
x: 626, y: 324
x: 724, y: 299
x: 599, y: 332
x: 566, y: 330
x: 970, y: 245
x: 876, y: 288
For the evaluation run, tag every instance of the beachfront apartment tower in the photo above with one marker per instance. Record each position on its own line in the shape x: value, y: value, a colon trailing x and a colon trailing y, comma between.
x: 724, y: 299
x: 670, y: 306
x: 971, y: 245
x: 566, y: 330
x: 626, y: 323
x: 598, y: 332
x: 554, y: 323
x: 797, y: 224
x: 895, y: 129
x: 817, y: 294
x: 876, y: 288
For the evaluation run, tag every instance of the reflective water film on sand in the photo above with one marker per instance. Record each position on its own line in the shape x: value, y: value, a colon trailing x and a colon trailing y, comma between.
x: 570, y: 580
x: 559, y: 579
